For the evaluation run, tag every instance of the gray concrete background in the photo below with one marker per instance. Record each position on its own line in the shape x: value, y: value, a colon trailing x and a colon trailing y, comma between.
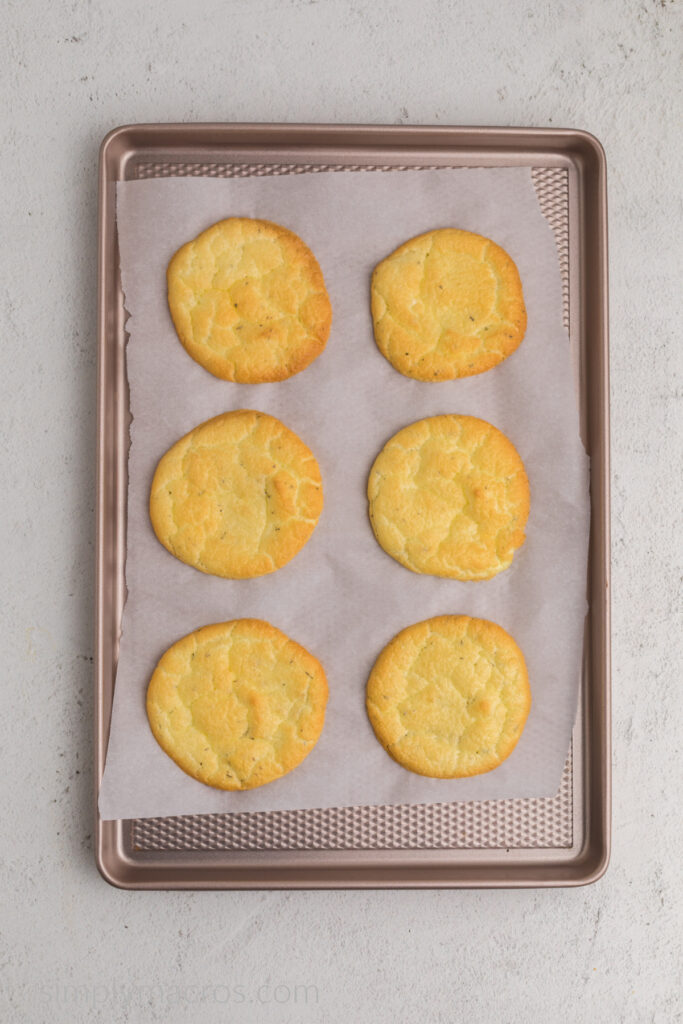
x: 76, y: 950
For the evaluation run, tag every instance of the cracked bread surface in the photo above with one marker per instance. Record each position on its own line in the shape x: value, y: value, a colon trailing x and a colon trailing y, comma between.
x: 447, y: 304
x: 248, y: 301
x: 449, y: 496
x: 449, y: 697
x: 237, y: 704
x: 236, y: 497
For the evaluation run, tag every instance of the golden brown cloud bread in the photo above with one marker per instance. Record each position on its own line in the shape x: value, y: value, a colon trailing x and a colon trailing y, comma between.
x: 237, y: 704
x: 447, y: 304
x: 449, y: 697
x: 248, y: 301
x: 238, y: 496
x: 449, y: 496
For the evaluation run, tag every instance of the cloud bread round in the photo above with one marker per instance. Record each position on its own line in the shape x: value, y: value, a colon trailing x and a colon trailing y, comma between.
x: 447, y: 304
x: 449, y: 496
x: 237, y: 704
x: 248, y: 301
x: 449, y: 697
x: 238, y: 496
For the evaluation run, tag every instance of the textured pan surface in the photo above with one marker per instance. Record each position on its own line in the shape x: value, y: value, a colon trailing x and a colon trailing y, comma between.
x: 519, y: 830
x: 537, y: 823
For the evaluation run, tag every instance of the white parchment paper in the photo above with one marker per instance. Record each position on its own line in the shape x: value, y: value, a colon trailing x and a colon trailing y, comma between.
x: 342, y: 596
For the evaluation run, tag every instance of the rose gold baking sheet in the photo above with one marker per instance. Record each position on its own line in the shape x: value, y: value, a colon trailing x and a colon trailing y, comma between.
x: 560, y: 840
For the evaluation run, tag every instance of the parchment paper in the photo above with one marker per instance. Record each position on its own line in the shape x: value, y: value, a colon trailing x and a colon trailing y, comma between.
x: 342, y: 596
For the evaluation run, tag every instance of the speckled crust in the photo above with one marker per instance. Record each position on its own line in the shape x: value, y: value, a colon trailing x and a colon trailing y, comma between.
x: 238, y: 496
x: 447, y: 304
x: 449, y: 697
x: 248, y: 301
x: 448, y: 496
x: 237, y: 704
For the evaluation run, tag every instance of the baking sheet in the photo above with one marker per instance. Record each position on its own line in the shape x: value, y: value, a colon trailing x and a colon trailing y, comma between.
x: 342, y: 596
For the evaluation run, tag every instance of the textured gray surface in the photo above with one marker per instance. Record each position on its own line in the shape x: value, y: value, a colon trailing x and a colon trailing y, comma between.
x: 73, y: 949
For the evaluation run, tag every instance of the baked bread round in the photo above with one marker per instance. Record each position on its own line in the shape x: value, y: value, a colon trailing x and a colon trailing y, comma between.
x: 237, y: 704
x: 447, y: 304
x: 238, y: 496
x: 449, y: 697
x: 248, y: 300
x: 449, y: 496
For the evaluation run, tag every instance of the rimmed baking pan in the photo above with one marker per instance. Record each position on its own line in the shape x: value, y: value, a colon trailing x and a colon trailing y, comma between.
x: 559, y: 840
